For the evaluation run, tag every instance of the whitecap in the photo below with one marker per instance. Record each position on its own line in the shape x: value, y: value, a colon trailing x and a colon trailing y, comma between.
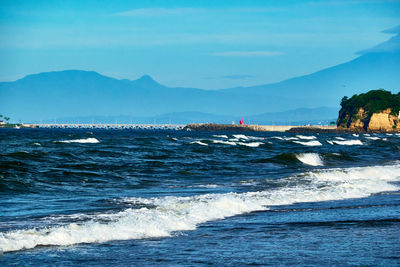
x: 220, y: 136
x: 240, y: 136
x: 90, y: 140
x: 203, y: 186
x: 285, y: 138
x: 372, y: 137
x: 252, y: 144
x: 224, y: 142
x: 313, y: 159
x: 339, y: 138
x: 345, y: 142
x: 199, y: 143
x: 255, y: 138
x: 306, y: 137
x: 309, y: 143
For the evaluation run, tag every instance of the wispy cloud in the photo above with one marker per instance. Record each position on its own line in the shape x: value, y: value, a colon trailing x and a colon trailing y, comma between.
x: 350, y: 2
x: 238, y: 76
x: 157, y: 12
x: 248, y: 54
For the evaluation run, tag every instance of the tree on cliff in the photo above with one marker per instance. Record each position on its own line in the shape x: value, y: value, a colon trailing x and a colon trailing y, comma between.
x: 374, y: 101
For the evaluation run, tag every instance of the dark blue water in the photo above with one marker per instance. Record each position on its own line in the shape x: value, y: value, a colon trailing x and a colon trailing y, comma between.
x: 122, y: 197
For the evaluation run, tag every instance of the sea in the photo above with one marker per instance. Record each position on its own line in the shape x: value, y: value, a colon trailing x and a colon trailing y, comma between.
x: 87, y: 197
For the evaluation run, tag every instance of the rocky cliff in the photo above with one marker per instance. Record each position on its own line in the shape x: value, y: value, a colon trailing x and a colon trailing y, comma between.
x: 375, y: 111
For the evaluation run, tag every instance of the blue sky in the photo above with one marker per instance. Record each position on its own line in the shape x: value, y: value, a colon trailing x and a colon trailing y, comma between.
x: 203, y: 44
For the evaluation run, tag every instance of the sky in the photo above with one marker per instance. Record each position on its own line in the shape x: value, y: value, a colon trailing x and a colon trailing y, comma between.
x: 201, y: 44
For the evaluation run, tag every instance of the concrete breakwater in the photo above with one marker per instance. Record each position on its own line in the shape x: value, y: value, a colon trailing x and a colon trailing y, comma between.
x: 106, y: 126
x: 189, y: 127
x: 254, y: 127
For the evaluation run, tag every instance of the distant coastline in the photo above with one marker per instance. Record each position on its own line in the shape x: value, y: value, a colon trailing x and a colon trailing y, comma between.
x: 202, y: 127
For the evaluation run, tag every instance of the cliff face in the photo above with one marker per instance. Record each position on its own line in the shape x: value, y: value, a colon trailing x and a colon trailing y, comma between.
x: 382, y: 121
x: 374, y: 111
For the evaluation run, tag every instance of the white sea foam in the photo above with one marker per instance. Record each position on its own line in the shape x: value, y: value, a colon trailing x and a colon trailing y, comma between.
x: 233, y: 139
x: 252, y: 144
x: 356, y: 135
x: 372, y: 137
x: 345, y: 142
x: 306, y: 137
x: 339, y: 138
x: 90, y: 140
x: 240, y: 136
x: 199, y: 143
x: 221, y: 135
x: 224, y: 142
x: 255, y: 138
x: 203, y: 186
x: 285, y: 138
x: 313, y: 159
x: 174, y: 138
x: 37, y: 144
x: 169, y: 215
x: 309, y: 143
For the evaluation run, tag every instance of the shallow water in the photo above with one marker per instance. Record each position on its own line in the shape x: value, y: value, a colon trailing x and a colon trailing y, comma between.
x: 106, y: 197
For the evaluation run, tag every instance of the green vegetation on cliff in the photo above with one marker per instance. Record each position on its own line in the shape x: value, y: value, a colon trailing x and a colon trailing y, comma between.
x: 361, y: 107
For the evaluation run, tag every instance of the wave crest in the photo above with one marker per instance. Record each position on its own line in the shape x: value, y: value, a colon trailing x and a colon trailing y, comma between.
x: 166, y: 215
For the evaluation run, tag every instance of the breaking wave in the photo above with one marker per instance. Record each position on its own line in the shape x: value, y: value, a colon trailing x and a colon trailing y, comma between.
x: 199, y: 143
x: 220, y: 135
x: 309, y: 143
x: 312, y: 159
x: 240, y: 136
x: 252, y: 144
x: 167, y: 216
x: 345, y: 142
x: 306, y: 137
x: 90, y: 140
x: 224, y: 142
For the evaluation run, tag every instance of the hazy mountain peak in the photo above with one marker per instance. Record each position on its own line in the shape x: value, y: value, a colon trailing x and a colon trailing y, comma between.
x: 393, y: 30
x: 390, y: 46
x: 62, y: 75
x: 146, y: 80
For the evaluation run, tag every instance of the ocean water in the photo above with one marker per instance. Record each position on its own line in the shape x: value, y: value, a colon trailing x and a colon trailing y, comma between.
x: 145, y: 198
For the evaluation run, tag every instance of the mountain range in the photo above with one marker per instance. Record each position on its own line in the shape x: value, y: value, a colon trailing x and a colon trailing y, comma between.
x: 73, y: 95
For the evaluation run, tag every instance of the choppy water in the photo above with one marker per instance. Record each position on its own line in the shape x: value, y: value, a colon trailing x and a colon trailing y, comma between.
x: 122, y: 197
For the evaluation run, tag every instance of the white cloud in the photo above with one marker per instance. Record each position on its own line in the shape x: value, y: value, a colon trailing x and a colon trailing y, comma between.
x: 154, y: 12
x: 248, y: 54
